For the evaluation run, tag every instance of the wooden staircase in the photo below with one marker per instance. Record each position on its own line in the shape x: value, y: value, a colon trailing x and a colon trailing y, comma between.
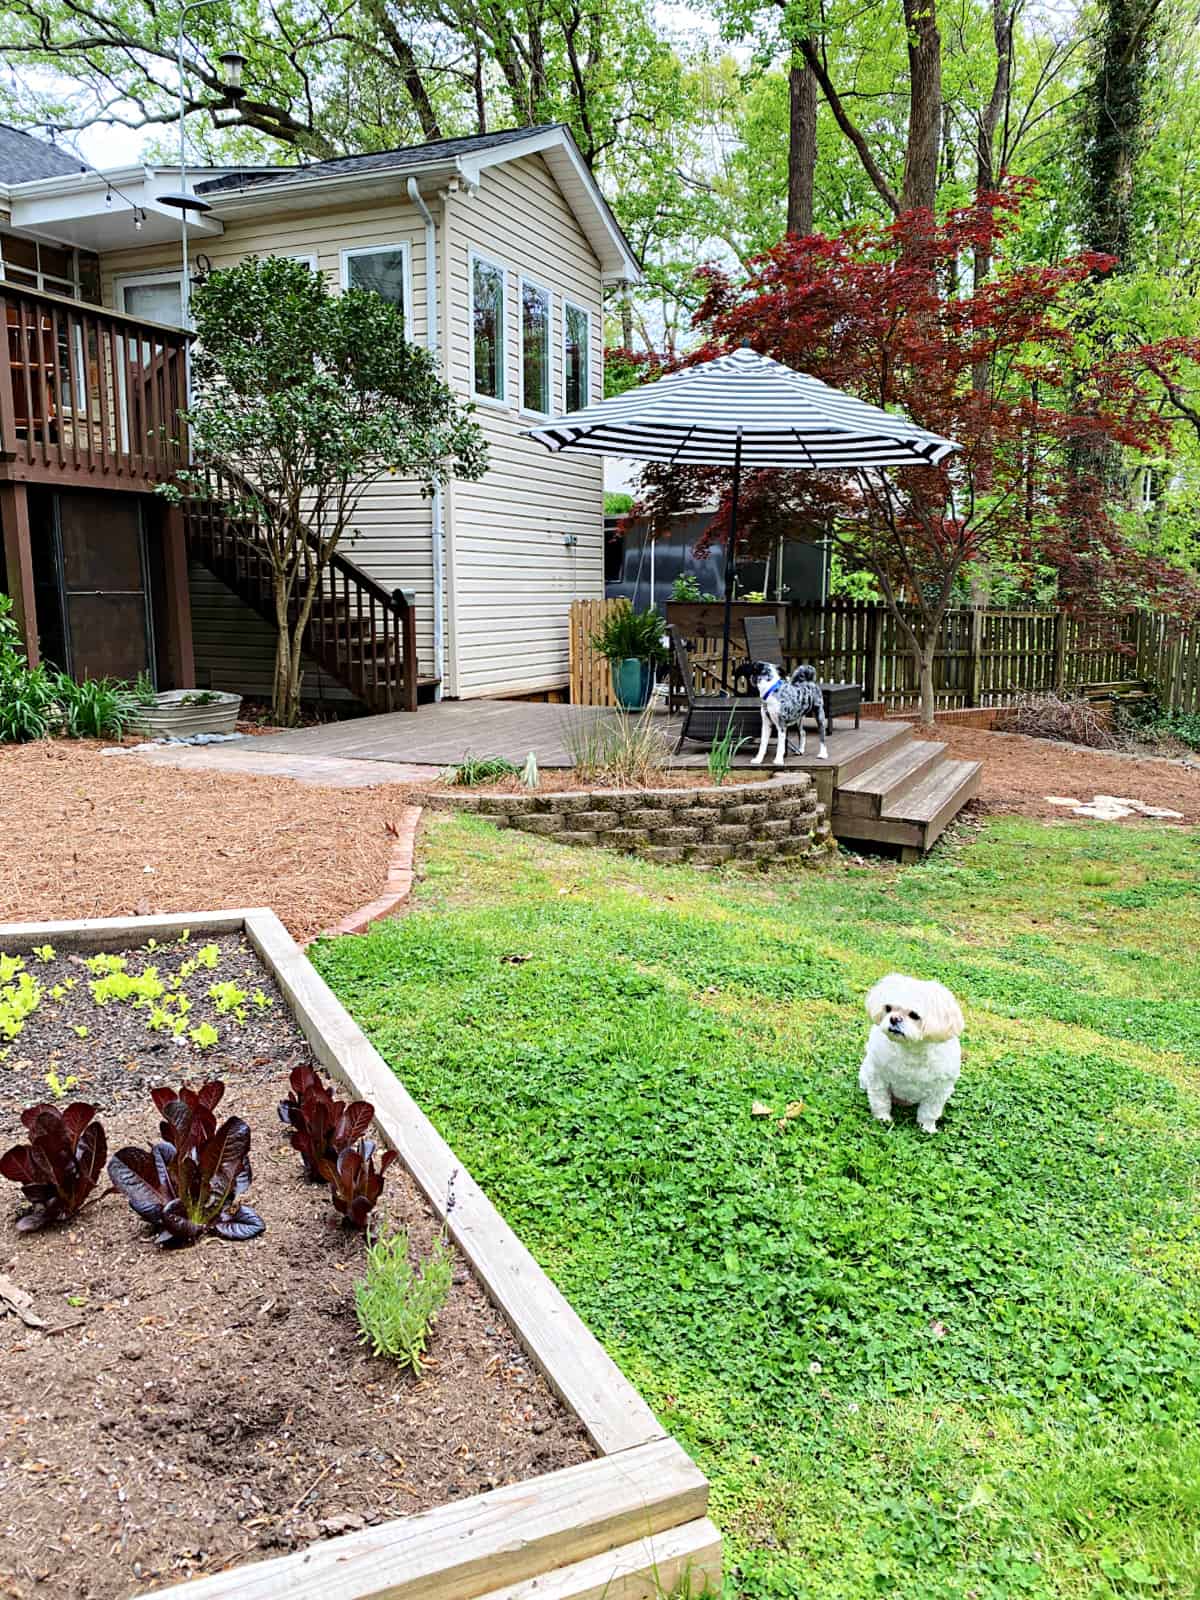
x: 359, y: 632
x: 903, y: 791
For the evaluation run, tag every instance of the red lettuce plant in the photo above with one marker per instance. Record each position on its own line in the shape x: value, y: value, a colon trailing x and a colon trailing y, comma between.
x: 191, y: 1182
x: 357, y: 1183
x: 61, y: 1164
x: 321, y: 1127
x: 329, y: 1134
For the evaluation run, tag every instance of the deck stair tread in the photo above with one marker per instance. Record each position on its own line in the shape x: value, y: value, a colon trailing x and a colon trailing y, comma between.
x: 877, y: 788
x: 890, y: 737
x: 915, y: 814
x: 923, y: 802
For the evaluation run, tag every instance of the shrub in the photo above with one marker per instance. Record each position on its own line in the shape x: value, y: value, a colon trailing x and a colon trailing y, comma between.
x: 397, y: 1306
x: 60, y: 1166
x: 686, y: 589
x: 626, y: 633
x: 96, y: 708
x: 28, y: 707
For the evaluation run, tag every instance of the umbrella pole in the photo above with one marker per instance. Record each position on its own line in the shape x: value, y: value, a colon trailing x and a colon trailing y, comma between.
x: 729, y: 561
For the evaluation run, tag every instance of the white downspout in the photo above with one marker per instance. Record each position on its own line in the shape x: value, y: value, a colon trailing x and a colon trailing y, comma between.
x: 438, y: 532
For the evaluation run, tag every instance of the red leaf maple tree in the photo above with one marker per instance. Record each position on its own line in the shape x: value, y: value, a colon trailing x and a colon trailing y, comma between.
x: 1045, y: 430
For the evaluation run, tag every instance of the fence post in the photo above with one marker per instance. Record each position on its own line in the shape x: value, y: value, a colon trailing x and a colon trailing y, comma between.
x: 874, y: 655
x: 1060, y: 652
x: 975, y: 659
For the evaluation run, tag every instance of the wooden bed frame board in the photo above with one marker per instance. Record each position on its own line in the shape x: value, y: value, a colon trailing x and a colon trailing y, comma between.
x: 624, y: 1526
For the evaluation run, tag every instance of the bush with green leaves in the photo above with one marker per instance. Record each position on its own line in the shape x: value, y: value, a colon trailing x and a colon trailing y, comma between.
x: 686, y: 589
x: 28, y: 703
x: 396, y: 1304
x: 628, y: 634
x: 96, y: 708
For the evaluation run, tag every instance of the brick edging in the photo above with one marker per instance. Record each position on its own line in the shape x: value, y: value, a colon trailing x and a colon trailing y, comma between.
x: 397, y: 887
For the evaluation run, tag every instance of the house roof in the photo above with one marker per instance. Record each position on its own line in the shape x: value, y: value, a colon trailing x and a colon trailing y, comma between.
x: 436, y: 153
x: 23, y: 158
x: 465, y: 159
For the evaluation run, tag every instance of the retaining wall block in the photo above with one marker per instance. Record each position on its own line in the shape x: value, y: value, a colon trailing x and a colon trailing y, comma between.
x: 597, y: 821
x: 728, y: 833
x: 577, y: 836
x: 744, y: 813
x: 503, y: 805
x: 550, y: 823
x: 710, y: 855
x: 626, y: 838
x: 663, y: 852
x: 677, y: 836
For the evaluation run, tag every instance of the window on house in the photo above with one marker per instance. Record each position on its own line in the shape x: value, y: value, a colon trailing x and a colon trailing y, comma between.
x: 535, y: 349
x: 382, y: 269
x: 577, y: 357
x: 158, y: 297
x: 51, y: 267
x: 487, y: 328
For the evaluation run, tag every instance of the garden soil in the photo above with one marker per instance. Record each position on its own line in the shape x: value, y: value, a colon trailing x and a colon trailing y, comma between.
x: 184, y: 1410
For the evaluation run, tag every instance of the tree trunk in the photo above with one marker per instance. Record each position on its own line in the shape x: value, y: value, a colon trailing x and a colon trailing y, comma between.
x: 280, y: 689
x: 986, y: 175
x: 925, y: 667
x: 802, y: 145
x: 626, y: 321
x: 1116, y: 108
x: 924, y: 107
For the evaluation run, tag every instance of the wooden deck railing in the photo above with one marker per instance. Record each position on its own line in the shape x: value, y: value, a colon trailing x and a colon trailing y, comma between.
x: 87, y: 395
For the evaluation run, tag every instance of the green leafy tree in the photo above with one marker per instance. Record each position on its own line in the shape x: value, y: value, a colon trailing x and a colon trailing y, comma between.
x: 309, y: 398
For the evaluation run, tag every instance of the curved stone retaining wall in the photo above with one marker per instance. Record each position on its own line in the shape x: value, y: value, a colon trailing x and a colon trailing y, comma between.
x: 744, y: 821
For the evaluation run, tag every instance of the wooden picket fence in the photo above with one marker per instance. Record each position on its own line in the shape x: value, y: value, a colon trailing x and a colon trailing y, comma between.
x: 983, y: 657
x: 591, y: 677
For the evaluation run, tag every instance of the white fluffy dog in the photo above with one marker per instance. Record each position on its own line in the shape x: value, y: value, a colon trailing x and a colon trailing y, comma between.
x: 913, y: 1055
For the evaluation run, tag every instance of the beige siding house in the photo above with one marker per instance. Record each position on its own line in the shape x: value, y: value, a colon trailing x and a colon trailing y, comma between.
x: 499, y: 249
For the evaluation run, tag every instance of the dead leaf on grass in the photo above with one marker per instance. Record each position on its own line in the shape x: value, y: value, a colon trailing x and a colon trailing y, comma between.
x: 760, y: 1109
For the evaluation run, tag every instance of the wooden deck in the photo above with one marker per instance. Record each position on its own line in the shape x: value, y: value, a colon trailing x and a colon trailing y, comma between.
x: 879, y: 784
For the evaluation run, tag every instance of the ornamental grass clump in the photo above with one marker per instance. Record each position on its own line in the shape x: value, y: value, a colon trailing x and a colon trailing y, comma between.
x: 397, y: 1305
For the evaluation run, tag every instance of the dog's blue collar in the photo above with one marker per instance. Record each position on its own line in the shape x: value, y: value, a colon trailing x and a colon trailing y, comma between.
x: 775, y: 687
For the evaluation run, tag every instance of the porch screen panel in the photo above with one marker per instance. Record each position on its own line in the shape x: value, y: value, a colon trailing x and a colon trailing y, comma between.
x: 105, y: 603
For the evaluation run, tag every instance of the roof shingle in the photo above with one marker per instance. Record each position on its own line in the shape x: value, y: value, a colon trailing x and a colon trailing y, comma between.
x: 24, y: 158
x: 413, y: 155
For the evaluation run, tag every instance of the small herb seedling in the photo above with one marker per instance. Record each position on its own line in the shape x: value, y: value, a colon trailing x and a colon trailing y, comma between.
x: 60, y: 1087
x: 208, y: 956
x: 44, y: 952
x: 204, y: 1036
x: 80, y: 1030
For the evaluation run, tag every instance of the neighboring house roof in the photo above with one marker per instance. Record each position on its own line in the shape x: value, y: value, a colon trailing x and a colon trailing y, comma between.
x: 465, y: 159
x: 24, y: 158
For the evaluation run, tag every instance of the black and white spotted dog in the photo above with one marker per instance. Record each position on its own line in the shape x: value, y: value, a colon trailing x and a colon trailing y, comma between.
x: 785, y: 702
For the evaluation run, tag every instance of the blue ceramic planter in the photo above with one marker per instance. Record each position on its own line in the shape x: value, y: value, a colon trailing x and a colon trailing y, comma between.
x: 631, y: 683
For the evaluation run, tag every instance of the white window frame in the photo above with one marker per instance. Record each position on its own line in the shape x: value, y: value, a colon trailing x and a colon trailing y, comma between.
x: 500, y: 401
x: 524, y: 283
x: 132, y: 279
x: 405, y: 249
x: 569, y: 306
x: 309, y: 258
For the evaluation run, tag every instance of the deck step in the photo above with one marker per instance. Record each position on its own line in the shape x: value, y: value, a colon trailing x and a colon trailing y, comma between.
x: 922, y: 814
x: 878, y: 789
x: 895, y: 734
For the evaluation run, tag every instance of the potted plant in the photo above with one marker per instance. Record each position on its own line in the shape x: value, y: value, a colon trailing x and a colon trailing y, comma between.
x: 633, y: 642
x: 183, y: 713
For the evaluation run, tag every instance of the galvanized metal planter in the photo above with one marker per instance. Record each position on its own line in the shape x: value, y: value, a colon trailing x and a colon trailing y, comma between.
x: 184, y: 712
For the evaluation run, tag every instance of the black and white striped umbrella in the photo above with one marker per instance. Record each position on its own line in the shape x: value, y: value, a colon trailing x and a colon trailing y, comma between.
x: 749, y: 411
x: 744, y: 411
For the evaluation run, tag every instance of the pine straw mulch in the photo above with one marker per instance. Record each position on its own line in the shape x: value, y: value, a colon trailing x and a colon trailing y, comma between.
x: 86, y: 835
x: 1019, y: 772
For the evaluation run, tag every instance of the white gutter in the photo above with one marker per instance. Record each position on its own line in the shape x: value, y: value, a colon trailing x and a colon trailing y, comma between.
x: 438, y: 541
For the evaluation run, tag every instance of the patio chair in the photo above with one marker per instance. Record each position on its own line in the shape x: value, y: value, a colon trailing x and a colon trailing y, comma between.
x: 763, y: 644
x: 706, y: 716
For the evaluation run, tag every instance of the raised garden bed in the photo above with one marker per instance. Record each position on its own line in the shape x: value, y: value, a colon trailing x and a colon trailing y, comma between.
x: 186, y: 1413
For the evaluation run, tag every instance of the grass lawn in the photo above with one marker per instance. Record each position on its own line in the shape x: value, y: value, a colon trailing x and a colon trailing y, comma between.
x: 966, y: 1365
